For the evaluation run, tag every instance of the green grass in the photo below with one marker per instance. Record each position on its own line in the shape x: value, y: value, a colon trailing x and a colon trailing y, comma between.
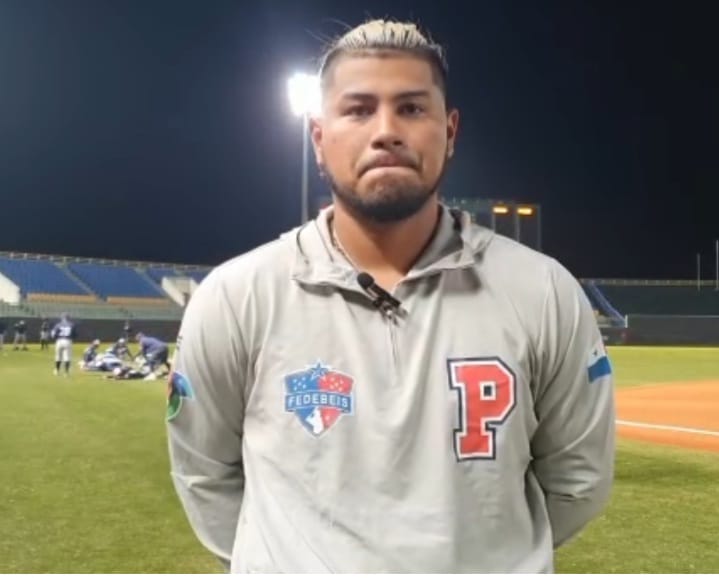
x: 642, y: 365
x: 84, y: 476
x: 85, y: 488
x: 663, y: 514
x: 662, y: 517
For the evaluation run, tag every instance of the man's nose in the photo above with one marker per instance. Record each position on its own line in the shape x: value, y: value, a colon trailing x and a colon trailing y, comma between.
x: 388, y: 133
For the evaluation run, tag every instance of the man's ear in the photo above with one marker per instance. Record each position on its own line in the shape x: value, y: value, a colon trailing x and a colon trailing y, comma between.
x: 452, y: 128
x: 316, y: 135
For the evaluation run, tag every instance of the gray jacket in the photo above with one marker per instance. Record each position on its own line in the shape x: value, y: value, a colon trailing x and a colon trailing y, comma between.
x: 471, y: 430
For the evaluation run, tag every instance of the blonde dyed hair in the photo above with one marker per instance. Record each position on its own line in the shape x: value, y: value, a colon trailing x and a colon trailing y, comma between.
x: 382, y: 38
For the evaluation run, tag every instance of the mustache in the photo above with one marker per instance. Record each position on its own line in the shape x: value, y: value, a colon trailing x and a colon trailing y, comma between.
x: 388, y: 160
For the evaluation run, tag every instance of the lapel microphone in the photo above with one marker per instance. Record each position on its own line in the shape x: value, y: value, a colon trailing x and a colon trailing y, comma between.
x: 380, y: 298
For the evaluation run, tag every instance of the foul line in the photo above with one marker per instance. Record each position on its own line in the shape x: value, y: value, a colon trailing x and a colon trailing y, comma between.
x: 668, y: 428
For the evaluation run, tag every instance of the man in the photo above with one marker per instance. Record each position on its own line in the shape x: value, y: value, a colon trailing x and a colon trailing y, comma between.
x: 104, y: 362
x: 120, y: 350
x: 113, y: 358
x: 44, y: 334
x: 20, y: 335
x: 126, y: 330
x: 63, y: 333
x: 390, y: 388
x: 3, y: 327
x: 90, y: 355
x: 130, y: 372
x: 154, y: 351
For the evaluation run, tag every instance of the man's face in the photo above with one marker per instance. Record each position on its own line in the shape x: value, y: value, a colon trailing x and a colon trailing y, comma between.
x: 384, y: 136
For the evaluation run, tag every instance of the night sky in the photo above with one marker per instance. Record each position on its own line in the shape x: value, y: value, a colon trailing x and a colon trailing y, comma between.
x: 160, y: 129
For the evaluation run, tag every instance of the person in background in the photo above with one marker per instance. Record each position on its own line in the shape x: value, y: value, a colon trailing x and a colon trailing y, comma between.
x: 155, y: 351
x: 44, y: 334
x: 20, y: 335
x: 121, y: 350
x: 90, y: 354
x: 127, y: 330
x: 63, y: 333
x: 3, y: 328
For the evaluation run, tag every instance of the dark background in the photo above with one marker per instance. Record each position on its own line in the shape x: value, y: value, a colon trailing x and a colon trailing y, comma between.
x: 160, y: 130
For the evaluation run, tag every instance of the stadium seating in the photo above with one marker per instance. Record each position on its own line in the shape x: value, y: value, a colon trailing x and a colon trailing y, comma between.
x: 115, y: 280
x: 39, y: 277
x: 141, y: 301
x: 92, y: 290
x: 661, y: 299
x: 102, y: 290
x: 157, y: 273
x: 55, y: 297
x: 606, y: 313
x: 197, y: 274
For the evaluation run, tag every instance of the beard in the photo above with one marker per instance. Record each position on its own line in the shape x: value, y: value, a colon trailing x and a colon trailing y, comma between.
x: 391, y: 201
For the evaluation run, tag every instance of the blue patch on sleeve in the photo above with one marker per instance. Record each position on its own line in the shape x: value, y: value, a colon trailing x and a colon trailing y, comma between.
x: 599, y: 368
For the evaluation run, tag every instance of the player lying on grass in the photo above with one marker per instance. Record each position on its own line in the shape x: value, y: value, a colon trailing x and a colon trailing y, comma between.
x: 140, y: 369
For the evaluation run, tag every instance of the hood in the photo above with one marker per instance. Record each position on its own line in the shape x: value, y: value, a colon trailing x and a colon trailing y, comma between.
x: 456, y: 244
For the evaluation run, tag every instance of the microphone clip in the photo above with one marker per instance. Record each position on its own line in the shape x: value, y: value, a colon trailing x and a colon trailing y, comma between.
x: 381, y: 299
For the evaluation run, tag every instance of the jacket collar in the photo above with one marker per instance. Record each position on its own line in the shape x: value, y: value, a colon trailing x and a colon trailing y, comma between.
x: 317, y: 261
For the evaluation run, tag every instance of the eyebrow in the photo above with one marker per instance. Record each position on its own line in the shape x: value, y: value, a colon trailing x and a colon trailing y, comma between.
x: 408, y: 94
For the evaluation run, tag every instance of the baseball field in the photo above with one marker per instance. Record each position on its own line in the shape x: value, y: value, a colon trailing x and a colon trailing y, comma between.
x: 84, y: 485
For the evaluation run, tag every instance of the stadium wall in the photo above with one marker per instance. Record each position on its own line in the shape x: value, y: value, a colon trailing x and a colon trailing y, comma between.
x: 9, y: 292
x: 106, y: 330
x: 672, y: 330
x: 641, y: 330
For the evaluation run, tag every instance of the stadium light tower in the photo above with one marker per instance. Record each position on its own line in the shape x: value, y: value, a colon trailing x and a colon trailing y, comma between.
x: 305, y: 98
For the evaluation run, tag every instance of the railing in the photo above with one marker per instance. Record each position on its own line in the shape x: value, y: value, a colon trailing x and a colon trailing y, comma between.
x: 199, y: 267
x: 651, y: 282
x: 66, y: 259
x: 604, y: 305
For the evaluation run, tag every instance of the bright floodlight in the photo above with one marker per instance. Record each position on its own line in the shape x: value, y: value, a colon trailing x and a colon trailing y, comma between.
x: 304, y: 93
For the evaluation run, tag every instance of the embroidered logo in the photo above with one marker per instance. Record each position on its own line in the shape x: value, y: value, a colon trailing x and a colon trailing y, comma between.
x: 178, y: 388
x: 319, y: 396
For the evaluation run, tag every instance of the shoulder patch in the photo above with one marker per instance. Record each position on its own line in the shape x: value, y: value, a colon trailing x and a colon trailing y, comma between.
x: 598, y: 363
x: 178, y: 389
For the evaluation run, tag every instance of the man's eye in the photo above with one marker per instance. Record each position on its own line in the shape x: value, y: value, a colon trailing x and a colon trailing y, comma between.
x: 358, y: 111
x: 411, y: 109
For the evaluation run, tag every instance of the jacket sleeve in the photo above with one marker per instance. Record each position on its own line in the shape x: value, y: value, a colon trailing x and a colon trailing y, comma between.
x: 573, y: 446
x: 205, y: 417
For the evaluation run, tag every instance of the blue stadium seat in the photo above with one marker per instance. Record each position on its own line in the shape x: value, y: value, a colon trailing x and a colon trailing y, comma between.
x: 39, y: 277
x: 114, y: 280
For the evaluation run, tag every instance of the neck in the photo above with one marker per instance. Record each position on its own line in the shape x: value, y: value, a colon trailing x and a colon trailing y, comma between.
x: 385, y: 250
